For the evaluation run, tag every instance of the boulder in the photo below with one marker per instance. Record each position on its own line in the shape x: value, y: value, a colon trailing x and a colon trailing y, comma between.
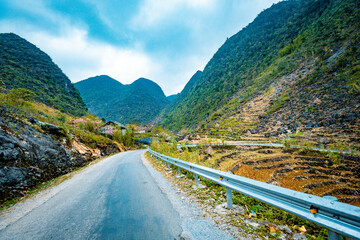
x: 209, y: 151
x: 52, y: 129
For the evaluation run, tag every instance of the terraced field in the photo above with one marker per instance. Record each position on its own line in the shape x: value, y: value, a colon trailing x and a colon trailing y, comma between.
x: 300, y: 170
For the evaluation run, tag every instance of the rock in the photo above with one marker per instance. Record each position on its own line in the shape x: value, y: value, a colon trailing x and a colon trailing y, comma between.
x: 8, y: 155
x: 252, y: 223
x: 209, y: 151
x: 30, y: 157
x: 265, y: 151
x: 239, y: 209
x: 180, y: 176
x: 299, y: 236
x: 284, y: 228
x: 10, y: 176
x: 199, y: 187
x: 223, y: 209
x: 52, y: 129
x: 274, y: 183
x: 317, y: 101
x: 283, y: 236
x: 324, y: 141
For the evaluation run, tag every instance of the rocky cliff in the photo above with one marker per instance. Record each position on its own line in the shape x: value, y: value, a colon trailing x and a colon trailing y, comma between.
x: 32, y: 152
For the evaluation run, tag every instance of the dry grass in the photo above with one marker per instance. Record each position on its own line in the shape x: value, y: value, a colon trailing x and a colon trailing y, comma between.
x: 260, y: 175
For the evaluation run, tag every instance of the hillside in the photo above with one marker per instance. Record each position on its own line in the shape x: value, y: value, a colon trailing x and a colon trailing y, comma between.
x: 171, y: 98
x: 295, y: 67
x: 23, y: 65
x: 139, y: 102
x: 168, y: 110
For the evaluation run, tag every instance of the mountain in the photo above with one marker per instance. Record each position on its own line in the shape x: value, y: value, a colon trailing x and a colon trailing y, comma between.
x: 180, y: 96
x: 89, y: 90
x: 170, y: 109
x: 190, y: 84
x: 295, y: 67
x: 23, y: 65
x: 171, y: 98
x: 139, y: 102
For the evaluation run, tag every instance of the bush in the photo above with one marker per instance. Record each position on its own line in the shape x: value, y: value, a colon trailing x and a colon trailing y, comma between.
x: 90, y: 126
x: 128, y: 139
x: 117, y: 136
x: 335, y: 158
x: 21, y: 93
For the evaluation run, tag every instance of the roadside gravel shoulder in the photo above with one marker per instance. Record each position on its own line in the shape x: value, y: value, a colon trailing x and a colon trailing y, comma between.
x: 196, y: 223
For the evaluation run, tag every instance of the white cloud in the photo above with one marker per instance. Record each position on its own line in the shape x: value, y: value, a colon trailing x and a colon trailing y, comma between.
x: 153, y: 12
x: 80, y: 57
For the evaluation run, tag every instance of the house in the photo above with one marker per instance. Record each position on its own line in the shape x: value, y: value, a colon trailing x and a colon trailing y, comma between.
x: 111, y: 126
x: 141, y: 130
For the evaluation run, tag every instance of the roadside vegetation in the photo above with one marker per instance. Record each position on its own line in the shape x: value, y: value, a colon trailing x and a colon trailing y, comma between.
x: 86, y: 129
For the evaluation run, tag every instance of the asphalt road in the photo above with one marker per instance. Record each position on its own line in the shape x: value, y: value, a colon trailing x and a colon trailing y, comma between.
x: 116, y: 198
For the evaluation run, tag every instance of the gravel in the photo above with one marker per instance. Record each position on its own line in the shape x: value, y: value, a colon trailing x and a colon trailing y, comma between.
x: 193, y: 224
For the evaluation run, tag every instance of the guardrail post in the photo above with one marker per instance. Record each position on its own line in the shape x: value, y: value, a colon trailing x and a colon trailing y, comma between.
x: 179, y: 170
x: 333, y: 235
x: 196, y: 180
x: 164, y: 162
x: 169, y: 165
x: 229, y: 198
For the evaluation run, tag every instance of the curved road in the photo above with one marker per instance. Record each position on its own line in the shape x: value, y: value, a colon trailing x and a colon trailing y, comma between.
x: 116, y: 198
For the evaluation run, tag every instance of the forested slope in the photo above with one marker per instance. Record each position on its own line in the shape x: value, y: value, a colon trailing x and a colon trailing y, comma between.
x: 23, y: 65
x: 314, y: 44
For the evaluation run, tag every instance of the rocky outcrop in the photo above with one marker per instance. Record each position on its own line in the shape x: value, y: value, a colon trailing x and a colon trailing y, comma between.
x: 29, y: 156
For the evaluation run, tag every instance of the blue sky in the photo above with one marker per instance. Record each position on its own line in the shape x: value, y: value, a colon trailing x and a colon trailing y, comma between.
x: 166, y: 41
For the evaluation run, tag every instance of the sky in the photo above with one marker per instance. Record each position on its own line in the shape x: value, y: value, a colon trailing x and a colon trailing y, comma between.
x: 166, y: 41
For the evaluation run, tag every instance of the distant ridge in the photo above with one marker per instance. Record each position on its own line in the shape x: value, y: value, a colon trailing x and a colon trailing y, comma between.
x: 171, y: 98
x: 139, y: 102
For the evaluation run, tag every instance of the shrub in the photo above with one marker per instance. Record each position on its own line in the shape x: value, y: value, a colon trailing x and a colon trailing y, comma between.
x: 21, y: 93
x: 117, y: 136
x: 335, y: 158
x: 128, y: 138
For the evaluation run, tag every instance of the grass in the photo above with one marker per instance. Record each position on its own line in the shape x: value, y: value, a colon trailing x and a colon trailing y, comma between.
x: 279, y: 103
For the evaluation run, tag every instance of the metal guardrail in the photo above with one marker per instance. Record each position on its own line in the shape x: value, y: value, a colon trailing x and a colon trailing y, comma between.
x: 339, y: 218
